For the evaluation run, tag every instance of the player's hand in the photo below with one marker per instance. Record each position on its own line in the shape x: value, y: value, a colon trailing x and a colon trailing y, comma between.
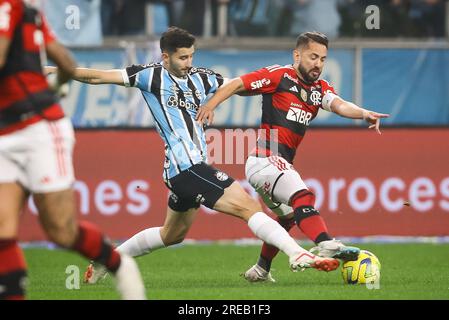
x: 50, y: 70
x: 373, y: 118
x: 205, y: 115
x: 60, y: 90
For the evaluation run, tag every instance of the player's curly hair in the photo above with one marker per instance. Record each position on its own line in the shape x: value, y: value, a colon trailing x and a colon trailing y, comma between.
x: 306, y: 37
x: 175, y: 38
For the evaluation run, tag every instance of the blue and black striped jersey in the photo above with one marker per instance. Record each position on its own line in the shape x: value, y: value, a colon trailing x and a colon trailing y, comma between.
x: 174, y: 102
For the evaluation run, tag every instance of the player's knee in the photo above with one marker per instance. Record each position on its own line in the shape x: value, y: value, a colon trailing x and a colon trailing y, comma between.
x: 303, y: 197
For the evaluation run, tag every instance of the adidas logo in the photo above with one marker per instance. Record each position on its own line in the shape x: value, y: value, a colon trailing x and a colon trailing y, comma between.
x: 294, y: 89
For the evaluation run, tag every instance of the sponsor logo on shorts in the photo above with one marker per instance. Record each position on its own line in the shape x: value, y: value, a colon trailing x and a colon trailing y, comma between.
x: 266, y: 187
x: 200, y: 198
x: 45, y: 180
x: 221, y: 176
x: 174, y: 197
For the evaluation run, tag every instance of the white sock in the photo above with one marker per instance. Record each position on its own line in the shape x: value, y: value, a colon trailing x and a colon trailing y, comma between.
x: 143, y: 242
x: 272, y: 233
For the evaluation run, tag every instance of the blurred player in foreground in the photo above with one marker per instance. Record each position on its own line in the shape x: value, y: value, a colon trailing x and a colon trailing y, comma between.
x: 36, y: 143
x: 292, y: 97
x: 173, y: 91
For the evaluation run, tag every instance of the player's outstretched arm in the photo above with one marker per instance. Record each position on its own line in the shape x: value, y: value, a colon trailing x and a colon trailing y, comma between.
x: 94, y: 76
x: 64, y: 60
x: 350, y: 110
x: 206, y: 112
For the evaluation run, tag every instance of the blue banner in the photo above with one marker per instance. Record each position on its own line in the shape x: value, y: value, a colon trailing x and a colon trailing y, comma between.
x: 411, y: 85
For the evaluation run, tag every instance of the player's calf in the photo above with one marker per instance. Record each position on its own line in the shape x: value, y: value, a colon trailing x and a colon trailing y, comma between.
x: 12, y: 271
x: 237, y: 202
x: 91, y: 244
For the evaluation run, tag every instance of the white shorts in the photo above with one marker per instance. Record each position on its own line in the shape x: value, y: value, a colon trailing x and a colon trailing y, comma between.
x: 275, y: 180
x: 39, y: 157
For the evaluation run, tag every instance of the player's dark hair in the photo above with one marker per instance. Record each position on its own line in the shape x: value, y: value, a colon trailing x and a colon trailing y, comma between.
x: 175, y: 38
x: 306, y: 37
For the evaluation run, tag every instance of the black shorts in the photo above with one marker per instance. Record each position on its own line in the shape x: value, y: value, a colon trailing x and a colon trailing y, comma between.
x: 200, y: 184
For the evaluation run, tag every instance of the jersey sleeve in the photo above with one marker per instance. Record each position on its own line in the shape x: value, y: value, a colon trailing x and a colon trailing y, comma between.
x: 329, y: 95
x: 49, y: 35
x: 264, y: 80
x: 211, y: 80
x: 217, y: 81
x: 10, y: 15
x: 138, y: 76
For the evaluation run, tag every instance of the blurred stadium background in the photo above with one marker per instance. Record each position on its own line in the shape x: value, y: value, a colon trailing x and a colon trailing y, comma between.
x: 362, y: 180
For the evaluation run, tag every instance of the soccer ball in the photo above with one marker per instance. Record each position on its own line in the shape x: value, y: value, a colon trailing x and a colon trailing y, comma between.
x: 366, y: 269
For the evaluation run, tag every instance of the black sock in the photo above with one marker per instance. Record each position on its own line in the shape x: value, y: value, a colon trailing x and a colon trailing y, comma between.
x: 323, y: 236
x: 264, y: 263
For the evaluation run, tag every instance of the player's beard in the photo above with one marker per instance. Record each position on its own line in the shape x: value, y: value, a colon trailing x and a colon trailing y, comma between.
x: 306, y: 74
x: 177, y: 69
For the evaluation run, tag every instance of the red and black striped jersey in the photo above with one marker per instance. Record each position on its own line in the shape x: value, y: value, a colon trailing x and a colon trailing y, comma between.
x: 288, y: 107
x: 25, y: 97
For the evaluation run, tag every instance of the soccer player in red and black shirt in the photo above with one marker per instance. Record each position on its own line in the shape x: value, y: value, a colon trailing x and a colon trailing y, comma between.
x: 292, y: 97
x: 36, y: 143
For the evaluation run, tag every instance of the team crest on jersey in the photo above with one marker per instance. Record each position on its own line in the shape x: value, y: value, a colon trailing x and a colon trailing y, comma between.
x: 304, y: 95
x: 315, y: 97
x: 221, y: 176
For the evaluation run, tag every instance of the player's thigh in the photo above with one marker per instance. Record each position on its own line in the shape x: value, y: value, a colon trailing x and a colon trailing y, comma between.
x: 237, y: 202
x: 12, y: 199
x: 275, y: 177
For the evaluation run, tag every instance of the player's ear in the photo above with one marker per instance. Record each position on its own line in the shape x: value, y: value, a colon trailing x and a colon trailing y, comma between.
x: 165, y: 56
x: 296, y: 56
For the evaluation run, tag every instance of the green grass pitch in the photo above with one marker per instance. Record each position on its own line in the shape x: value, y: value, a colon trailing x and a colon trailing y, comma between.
x: 211, y: 271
